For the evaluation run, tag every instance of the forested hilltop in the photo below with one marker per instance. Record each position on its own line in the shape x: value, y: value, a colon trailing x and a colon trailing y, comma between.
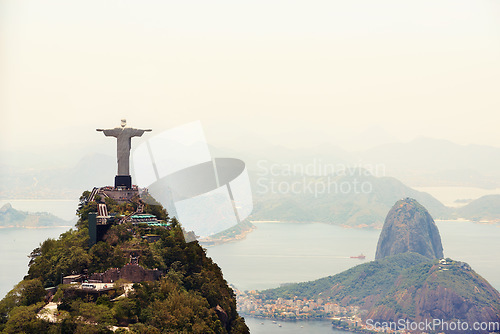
x: 191, y: 295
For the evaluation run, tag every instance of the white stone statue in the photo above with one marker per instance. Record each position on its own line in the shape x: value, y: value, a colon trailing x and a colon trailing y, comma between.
x: 123, y: 137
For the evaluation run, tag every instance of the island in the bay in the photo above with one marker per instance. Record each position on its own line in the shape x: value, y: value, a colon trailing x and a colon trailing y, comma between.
x: 410, y: 283
x: 10, y: 217
x: 125, y: 268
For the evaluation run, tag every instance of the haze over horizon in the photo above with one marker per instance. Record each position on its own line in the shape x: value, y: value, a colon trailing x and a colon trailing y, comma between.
x: 297, y: 74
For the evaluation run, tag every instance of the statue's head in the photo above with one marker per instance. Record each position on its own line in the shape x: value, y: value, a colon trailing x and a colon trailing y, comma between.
x: 124, y: 122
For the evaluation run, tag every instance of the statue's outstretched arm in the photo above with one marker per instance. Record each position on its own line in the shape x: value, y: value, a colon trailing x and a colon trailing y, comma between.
x: 139, y: 132
x: 110, y: 132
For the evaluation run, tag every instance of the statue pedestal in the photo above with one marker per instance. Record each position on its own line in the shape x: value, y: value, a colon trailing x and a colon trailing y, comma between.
x: 123, y: 181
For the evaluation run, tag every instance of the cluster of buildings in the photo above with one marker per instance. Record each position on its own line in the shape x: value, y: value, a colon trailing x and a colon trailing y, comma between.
x: 252, y: 304
x: 344, y: 318
x: 101, y: 220
x: 347, y: 318
x: 447, y: 264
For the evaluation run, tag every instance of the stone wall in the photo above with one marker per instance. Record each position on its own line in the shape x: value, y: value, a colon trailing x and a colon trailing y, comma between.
x: 133, y: 273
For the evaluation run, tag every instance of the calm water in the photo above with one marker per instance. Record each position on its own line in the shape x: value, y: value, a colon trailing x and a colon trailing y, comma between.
x: 264, y: 326
x: 274, y: 253
x: 15, y: 245
x: 278, y: 253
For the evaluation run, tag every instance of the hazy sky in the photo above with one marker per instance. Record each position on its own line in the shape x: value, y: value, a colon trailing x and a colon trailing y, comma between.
x: 284, y: 72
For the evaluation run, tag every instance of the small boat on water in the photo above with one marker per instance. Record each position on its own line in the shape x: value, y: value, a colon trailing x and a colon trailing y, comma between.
x: 360, y: 256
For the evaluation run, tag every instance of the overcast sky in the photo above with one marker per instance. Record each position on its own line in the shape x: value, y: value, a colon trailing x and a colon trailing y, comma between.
x: 295, y: 73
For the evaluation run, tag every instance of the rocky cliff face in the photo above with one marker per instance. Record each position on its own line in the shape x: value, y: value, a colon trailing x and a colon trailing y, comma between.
x: 445, y: 290
x: 409, y: 227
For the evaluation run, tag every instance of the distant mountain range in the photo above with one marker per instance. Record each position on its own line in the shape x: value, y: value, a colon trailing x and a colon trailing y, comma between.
x: 436, y: 162
x: 10, y: 217
x: 354, y: 208
x: 351, y: 208
x: 486, y: 208
x: 58, y: 182
x: 420, y: 162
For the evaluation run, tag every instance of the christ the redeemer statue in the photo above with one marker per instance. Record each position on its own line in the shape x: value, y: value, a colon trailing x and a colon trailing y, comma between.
x: 123, y: 137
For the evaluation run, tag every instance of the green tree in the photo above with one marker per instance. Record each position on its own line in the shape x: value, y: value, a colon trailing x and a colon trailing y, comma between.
x: 100, y: 257
x: 125, y: 311
x: 23, y: 319
x: 25, y: 293
x: 93, y: 313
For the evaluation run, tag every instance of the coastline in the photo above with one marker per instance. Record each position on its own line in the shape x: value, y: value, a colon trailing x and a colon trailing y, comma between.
x: 209, y: 242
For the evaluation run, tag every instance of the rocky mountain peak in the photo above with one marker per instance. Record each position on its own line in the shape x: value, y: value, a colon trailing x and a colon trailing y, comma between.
x: 409, y: 227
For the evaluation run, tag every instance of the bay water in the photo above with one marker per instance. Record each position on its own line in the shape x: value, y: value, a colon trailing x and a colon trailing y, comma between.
x: 273, y: 254
x: 15, y: 246
x: 277, y: 253
x: 264, y: 326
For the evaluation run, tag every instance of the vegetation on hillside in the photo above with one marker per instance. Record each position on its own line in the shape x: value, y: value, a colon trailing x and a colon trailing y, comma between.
x: 354, y: 285
x: 191, y: 297
x: 483, y: 208
x: 404, y: 286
